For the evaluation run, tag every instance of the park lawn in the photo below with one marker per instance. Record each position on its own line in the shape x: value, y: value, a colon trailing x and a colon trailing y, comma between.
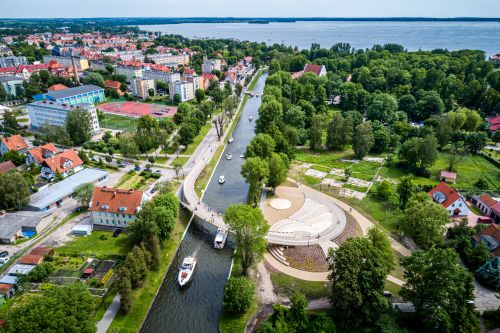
x: 327, y: 159
x: 320, y: 168
x: 375, y: 210
x: 180, y: 161
x: 197, y: 139
x: 392, y: 287
x: 236, y: 323
x: 116, y: 122
x: 285, y: 285
x: 363, y: 176
x: 142, y: 298
x: 398, y: 270
x: 470, y: 170
x: 135, y: 181
x: 100, y: 244
x: 364, y: 167
x: 310, y: 180
x: 202, y: 181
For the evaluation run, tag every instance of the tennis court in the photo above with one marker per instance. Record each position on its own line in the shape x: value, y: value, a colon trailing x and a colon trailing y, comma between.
x: 138, y: 109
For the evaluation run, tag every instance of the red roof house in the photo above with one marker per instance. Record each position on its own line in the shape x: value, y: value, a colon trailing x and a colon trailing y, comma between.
x: 14, y: 142
x: 38, y: 154
x: 65, y: 163
x: 318, y: 70
x: 494, y: 124
x: 450, y: 199
x: 491, y: 237
x: 115, y: 85
x: 31, y: 259
x: 42, y: 251
x: 6, y: 167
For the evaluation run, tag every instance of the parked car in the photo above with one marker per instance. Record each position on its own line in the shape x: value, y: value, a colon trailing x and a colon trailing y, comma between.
x: 158, y: 171
x: 3, y: 261
x: 148, y: 170
x: 137, y: 168
x: 117, y: 232
x: 122, y: 165
x: 4, y: 254
x: 153, y: 190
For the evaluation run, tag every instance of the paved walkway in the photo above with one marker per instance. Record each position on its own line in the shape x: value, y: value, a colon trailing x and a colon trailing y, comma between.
x: 109, y: 315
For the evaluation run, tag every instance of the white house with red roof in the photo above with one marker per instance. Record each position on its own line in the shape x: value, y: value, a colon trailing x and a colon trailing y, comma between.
x: 38, y: 154
x: 14, y: 142
x: 318, y: 70
x: 65, y: 164
x: 450, y: 199
x: 115, y: 208
x: 494, y: 124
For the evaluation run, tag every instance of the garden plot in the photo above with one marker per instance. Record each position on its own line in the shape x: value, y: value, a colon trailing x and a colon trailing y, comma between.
x: 331, y: 182
x: 315, y: 173
x: 305, y: 166
x: 337, y: 172
x: 374, y: 159
x: 382, y: 179
x: 359, y: 182
x: 352, y: 194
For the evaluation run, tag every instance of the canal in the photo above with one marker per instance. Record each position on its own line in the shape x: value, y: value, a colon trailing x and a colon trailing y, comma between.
x: 198, y: 307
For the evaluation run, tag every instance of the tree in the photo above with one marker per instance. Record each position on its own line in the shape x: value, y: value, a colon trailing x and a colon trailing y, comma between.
x: 83, y: 194
x: 255, y: 171
x: 270, y: 111
x: 78, y: 126
x: 14, y: 192
x: 489, y: 274
x: 56, y: 134
x: 262, y: 145
x: 200, y: 95
x: 419, y: 153
x: 383, y: 108
x: 405, y: 191
x: 128, y: 147
x: 187, y: 132
x: 135, y: 263
x: 430, y: 104
x: 93, y: 78
x: 10, y: 122
x: 277, y: 171
x: 14, y: 156
x: 455, y: 156
x: 424, y: 220
x: 408, y: 104
x: 441, y: 291
x: 358, y: 273
x: 238, y: 294
x: 238, y: 89
x: 250, y: 228
x: 125, y: 288
x: 60, y: 309
x: 152, y: 244
x: 475, y: 141
x: 316, y: 132
x: 338, y: 132
x: 363, y: 140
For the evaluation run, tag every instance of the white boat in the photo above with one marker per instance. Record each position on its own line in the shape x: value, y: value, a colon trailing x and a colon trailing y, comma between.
x: 250, y: 118
x: 220, y: 238
x: 231, y: 139
x: 186, y: 271
x: 222, y: 179
x: 229, y: 156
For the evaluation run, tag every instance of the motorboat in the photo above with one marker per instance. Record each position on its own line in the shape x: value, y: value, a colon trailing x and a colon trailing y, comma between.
x: 229, y: 156
x: 231, y: 139
x: 186, y: 271
x: 220, y: 238
x: 250, y: 118
x: 222, y: 179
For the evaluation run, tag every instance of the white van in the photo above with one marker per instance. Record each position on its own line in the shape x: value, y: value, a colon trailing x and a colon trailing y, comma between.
x: 3, y: 261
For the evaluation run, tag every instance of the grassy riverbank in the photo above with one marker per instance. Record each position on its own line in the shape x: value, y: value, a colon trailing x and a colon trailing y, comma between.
x: 143, y: 297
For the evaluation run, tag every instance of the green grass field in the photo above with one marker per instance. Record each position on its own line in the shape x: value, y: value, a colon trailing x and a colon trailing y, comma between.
x: 120, y: 123
x: 100, y: 244
x: 285, y: 285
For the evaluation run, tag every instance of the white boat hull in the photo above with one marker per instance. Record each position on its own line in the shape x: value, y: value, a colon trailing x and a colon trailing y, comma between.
x: 185, y: 275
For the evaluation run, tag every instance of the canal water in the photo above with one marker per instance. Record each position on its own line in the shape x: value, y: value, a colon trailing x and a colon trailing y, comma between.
x: 198, y: 307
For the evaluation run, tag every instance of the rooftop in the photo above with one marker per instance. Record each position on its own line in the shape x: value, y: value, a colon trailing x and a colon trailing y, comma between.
x: 15, y: 142
x: 6, y: 167
x: 110, y: 200
x: 73, y: 91
x: 59, y: 106
x: 65, y: 187
x: 59, y: 163
x: 488, y: 200
x: 448, y: 174
x: 10, y: 223
x: 444, y: 195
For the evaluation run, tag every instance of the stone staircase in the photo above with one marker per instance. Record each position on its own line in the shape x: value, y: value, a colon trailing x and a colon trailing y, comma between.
x: 277, y: 252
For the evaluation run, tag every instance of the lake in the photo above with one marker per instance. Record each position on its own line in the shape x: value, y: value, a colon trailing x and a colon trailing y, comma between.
x: 413, y: 35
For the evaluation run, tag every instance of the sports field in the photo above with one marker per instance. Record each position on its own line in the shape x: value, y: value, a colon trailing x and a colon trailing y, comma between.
x: 137, y: 109
x: 119, y: 123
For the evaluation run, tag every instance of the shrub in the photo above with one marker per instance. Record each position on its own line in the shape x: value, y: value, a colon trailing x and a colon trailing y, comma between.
x: 489, y: 274
x: 239, y: 294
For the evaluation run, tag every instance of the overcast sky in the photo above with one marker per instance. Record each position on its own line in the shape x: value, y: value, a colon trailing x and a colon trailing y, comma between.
x: 254, y: 8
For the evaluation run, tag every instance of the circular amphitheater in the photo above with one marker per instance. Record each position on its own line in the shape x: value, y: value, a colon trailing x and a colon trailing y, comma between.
x: 317, y: 221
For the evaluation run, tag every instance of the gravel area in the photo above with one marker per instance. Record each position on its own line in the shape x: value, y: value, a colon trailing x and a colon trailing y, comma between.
x: 352, y: 229
x: 306, y: 258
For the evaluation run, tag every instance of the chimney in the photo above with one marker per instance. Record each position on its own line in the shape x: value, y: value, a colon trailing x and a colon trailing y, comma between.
x: 75, y: 72
x: 114, y: 194
x: 131, y: 190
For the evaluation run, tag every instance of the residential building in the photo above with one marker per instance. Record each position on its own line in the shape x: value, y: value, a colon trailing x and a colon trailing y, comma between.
x: 31, y: 259
x: 80, y: 62
x: 12, y: 61
x: 114, y: 85
x: 6, y: 167
x: 76, y: 95
x: 190, y: 75
x: 130, y: 72
x: 494, y: 124
x: 51, y: 113
x: 64, y: 164
x: 38, y: 154
x: 210, y: 65
x: 13, y: 85
x: 448, y: 176
x: 167, y: 58
x: 55, y: 195
x: 98, y: 65
x: 206, y: 78
x: 183, y: 88
x: 490, y: 236
x: 12, y: 225
x: 484, y: 203
x: 126, y: 55
x: 450, y: 199
x: 161, y: 75
x: 115, y: 208
x: 318, y: 70
x: 141, y: 88
x: 14, y: 142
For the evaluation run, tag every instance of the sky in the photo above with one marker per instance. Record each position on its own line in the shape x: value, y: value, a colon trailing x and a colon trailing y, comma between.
x: 253, y: 8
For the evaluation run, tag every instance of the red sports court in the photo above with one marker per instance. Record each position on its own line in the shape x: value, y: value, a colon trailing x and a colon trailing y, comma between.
x: 138, y: 109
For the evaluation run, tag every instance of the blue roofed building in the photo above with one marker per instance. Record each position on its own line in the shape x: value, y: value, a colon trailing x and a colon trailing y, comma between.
x: 77, y: 95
